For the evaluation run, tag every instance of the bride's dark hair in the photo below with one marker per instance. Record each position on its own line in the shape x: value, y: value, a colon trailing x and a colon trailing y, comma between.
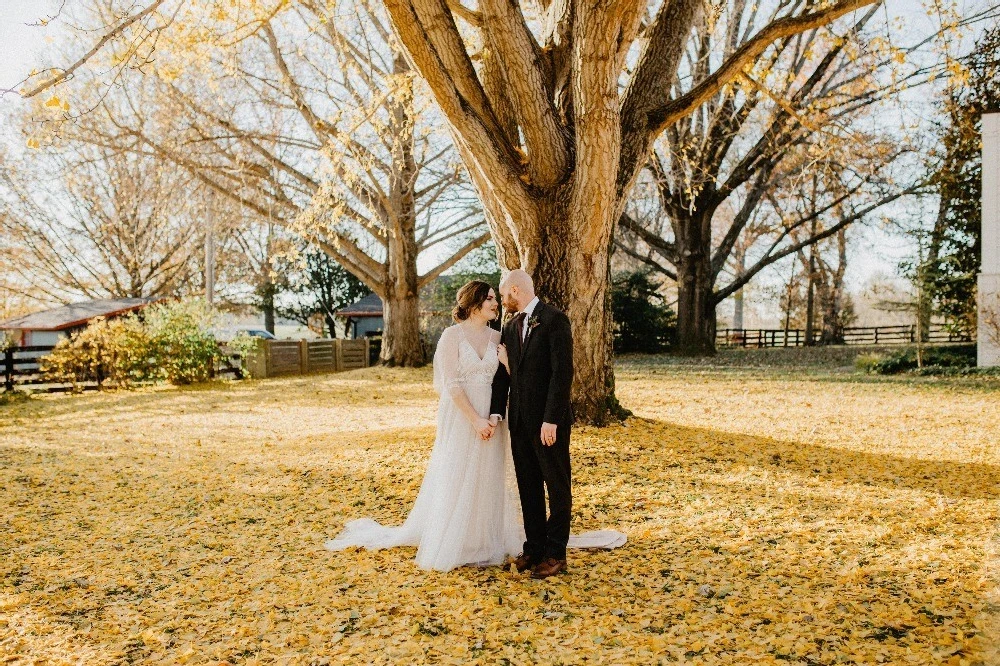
x: 470, y: 297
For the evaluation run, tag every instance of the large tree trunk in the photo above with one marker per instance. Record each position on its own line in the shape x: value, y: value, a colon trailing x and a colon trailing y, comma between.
x: 695, y: 287
x: 401, y: 336
x: 579, y: 284
x: 695, y: 315
x: 590, y: 315
x: 401, y: 300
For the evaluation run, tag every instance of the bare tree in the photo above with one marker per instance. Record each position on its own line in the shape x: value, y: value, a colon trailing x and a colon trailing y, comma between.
x: 555, y: 123
x: 92, y: 222
x: 554, y: 107
x: 835, y: 304
x: 307, y: 117
x: 719, y: 174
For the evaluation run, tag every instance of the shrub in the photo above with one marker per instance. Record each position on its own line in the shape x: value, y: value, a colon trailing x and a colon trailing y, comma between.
x: 13, y: 397
x: 244, y: 345
x: 183, y: 346
x: 905, y: 360
x: 116, y: 351
x: 868, y: 362
x: 171, y: 341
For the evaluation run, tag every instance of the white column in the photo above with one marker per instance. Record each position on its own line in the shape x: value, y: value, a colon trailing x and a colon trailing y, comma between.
x: 988, y: 335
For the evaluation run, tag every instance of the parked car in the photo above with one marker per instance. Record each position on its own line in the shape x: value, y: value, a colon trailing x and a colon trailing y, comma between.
x: 227, y: 334
x: 257, y: 333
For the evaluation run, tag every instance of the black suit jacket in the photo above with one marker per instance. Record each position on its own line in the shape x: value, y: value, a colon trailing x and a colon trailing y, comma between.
x: 537, y: 389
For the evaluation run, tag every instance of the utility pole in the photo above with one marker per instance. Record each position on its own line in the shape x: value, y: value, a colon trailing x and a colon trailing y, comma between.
x: 811, y: 277
x: 210, y: 249
x: 741, y: 265
x: 810, y: 291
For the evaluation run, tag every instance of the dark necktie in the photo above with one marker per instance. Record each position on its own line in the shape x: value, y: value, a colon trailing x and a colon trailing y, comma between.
x: 519, y: 322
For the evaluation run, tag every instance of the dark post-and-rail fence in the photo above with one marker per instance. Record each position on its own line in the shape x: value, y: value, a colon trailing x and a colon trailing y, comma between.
x: 759, y: 338
x: 21, y: 366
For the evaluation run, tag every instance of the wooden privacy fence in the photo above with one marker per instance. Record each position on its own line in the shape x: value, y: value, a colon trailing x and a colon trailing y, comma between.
x: 855, y: 335
x: 298, y: 357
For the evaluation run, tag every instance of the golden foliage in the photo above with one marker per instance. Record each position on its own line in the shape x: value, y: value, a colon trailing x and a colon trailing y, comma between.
x: 801, y: 521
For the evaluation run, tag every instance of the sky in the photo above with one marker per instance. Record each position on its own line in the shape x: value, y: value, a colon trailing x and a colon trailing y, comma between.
x: 22, y: 44
x: 874, y: 252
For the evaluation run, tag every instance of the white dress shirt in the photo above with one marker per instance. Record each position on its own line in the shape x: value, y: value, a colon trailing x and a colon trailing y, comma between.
x: 528, y: 309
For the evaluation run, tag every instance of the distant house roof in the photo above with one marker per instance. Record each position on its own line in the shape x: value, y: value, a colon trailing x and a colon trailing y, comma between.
x: 77, y: 314
x: 369, y: 306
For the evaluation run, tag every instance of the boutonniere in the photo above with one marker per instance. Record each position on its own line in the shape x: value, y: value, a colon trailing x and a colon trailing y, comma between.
x: 533, y: 321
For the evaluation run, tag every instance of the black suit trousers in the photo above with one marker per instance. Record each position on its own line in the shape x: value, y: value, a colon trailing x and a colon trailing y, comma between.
x: 539, y: 468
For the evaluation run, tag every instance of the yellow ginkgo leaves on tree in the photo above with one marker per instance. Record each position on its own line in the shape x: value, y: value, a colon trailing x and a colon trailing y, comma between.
x: 55, y: 103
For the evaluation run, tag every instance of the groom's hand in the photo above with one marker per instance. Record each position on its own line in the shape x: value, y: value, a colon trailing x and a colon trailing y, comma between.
x: 548, y: 434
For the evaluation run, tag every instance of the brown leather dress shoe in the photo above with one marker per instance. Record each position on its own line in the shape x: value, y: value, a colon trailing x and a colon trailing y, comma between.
x: 523, y: 562
x: 548, y: 567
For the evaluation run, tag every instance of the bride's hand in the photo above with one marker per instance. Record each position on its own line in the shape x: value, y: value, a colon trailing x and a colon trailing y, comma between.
x: 502, y: 355
x: 484, y: 427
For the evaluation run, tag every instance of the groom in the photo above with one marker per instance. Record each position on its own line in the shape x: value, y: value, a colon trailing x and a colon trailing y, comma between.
x: 540, y: 354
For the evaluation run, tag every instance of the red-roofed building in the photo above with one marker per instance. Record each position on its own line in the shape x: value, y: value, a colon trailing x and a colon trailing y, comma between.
x: 46, y: 328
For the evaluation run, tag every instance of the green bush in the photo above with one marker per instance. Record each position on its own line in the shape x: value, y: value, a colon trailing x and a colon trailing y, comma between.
x: 935, y: 360
x: 867, y: 362
x: 118, y: 351
x: 183, y: 346
x: 170, y: 341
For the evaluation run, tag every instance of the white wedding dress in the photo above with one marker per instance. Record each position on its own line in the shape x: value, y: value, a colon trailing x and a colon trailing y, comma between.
x: 467, y: 510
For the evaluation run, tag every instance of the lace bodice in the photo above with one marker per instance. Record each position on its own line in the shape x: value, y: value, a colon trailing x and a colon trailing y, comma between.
x: 456, y: 363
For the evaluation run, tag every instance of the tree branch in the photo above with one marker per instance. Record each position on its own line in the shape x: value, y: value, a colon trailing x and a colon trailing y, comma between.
x: 672, y: 111
x: 769, y: 258
x: 452, y: 260
x: 107, y: 37
x: 526, y: 77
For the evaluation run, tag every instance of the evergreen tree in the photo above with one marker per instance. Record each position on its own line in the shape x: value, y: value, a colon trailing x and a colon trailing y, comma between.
x: 955, y: 246
x: 643, y: 323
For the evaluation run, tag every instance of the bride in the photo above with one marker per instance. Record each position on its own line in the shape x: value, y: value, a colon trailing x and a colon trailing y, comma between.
x: 467, y: 510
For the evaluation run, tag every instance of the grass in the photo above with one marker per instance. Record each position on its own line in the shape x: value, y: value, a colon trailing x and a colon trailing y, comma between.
x: 834, y: 518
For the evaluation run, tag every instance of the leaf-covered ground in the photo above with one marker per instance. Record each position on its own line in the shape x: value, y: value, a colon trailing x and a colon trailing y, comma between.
x: 771, y: 520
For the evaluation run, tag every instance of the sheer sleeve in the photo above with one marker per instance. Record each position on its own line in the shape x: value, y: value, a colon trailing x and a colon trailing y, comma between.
x: 446, y: 377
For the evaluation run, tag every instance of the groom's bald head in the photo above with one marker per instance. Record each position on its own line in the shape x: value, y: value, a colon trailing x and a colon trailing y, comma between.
x: 517, y: 289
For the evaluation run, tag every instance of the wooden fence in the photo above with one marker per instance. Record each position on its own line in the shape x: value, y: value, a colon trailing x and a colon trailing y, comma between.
x: 855, y: 335
x: 20, y: 365
x: 298, y: 357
